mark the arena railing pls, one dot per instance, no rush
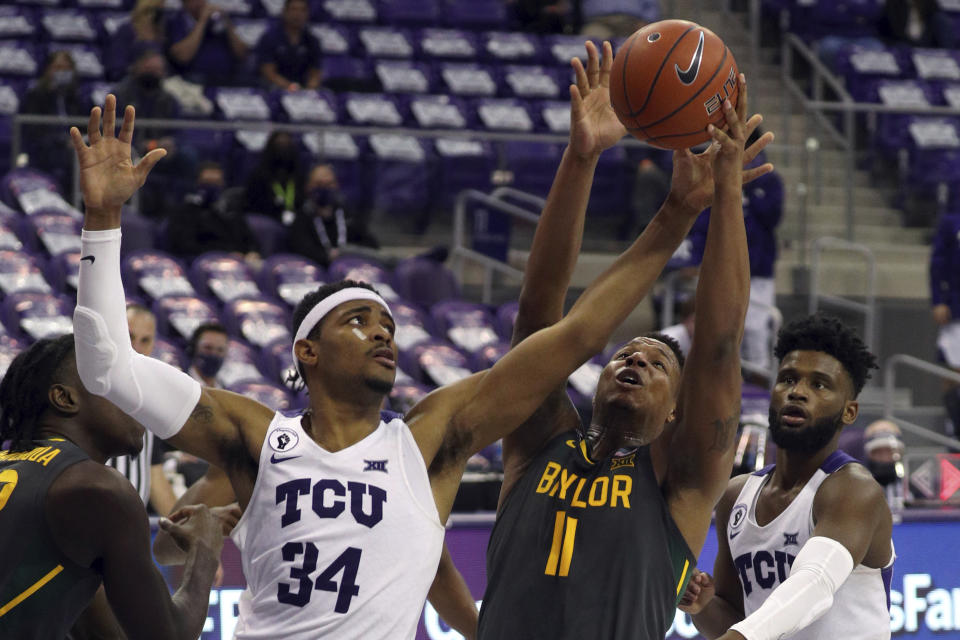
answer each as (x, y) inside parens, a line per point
(820, 299)
(890, 384)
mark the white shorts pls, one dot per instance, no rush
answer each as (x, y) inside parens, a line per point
(949, 344)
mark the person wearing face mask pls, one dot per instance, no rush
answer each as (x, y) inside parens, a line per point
(275, 186)
(884, 451)
(205, 221)
(55, 93)
(207, 350)
(323, 224)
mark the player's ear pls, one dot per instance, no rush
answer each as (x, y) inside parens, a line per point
(64, 398)
(850, 412)
(306, 353)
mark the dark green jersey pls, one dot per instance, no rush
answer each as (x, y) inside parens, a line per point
(42, 592)
(584, 549)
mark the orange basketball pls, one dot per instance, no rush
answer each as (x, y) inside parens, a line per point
(669, 81)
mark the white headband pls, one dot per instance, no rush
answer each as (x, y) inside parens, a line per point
(326, 305)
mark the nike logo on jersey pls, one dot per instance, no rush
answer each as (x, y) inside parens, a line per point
(375, 465)
(274, 459)
(688, 75)
(734, 535)
(92, 259)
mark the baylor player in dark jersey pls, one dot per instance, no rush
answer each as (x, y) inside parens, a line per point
(598, 528)
(68, 522)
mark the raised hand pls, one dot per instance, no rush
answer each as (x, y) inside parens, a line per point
(108, 177)
(700, 590)
(594, 125)
(693, 177)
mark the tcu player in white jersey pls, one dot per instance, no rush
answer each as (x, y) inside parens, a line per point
(805, 547)
(342, 528)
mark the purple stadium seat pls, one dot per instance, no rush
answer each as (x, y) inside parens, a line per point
(372, 109)
(271, 235)
(506, 318)
(851, 442)
(30, 190)
(487, 356)
(63, 272)
(52, 231)
(439, 112)
(386, 42)
(343, 151)
(8, 237)
(468, 79)
(258, 321)
(403, 396)
(936, 64)
(399, 178)
(335, 39)
(19, 58)
(182, 314)
(504, 114)
(348, 73)
(265, 393)
(69, 25)
(9, 348)
(475, 14)
(223, 275)
(532, 82)
(863, 63)
(435, 362)
(275, 360)
(555, 116)
(413, 325)
(139, 232)
(37, 315)
(409, 12)
(240, 365)
(241, 103)
(613, 185)
(464, 164)
(512, 47)
(168, 352)
(468, 325)
(21, 271)
(289, 277)
(87, 57)
(17, 22)
(364, 270)
(350, 10)
(425, 282)
(309, 106)
(155, 273)
(559, 49)
(533, 164)
(448, 44)
(250, 30)
(398, 76)
(892, 131)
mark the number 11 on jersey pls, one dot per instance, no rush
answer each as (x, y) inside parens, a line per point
(561, 551)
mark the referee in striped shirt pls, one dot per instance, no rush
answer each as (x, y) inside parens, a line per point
(145, 470)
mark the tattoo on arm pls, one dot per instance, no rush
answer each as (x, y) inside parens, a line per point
(724, 432)
(202, 413)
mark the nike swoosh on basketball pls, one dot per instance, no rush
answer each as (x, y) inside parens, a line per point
(274, 459)
(688, 75)
(92, 259)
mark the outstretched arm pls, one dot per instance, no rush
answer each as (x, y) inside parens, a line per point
(702, 445)
(451, 597)
(223, 428)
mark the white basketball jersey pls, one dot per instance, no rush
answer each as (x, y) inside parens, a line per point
(338, 544)
(763, 556)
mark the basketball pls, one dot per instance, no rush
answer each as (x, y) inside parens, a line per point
(669, 81)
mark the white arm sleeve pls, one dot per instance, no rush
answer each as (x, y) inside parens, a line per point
(106, 361)
(820, 568)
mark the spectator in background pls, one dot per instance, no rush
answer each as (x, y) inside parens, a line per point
(145, 27)
(207, 350)
(945, 299)
(288, 54)
(55, 93)
(275, 187)
(608, 19)
(323, 225)
(203, 43)
(917, 23)
(542, 16)
(884, 452)
(206, 220)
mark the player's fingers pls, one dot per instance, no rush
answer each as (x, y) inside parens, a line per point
(93, 125)
(734, 123)
(606, 64)
(182, 513)
(749, 175)
(593, 64)
(753, 123)
(126, 129)
(576, 104)
(758, 145)
(176, 531)
(110, 116)
(148, 162)
(77, 139)
(742, 97)
(719, 137)
(581, 76)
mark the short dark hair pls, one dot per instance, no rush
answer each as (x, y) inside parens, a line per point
(670, 342)
(206, 327)
(25, 388)
(310, 300)
(821, 332)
